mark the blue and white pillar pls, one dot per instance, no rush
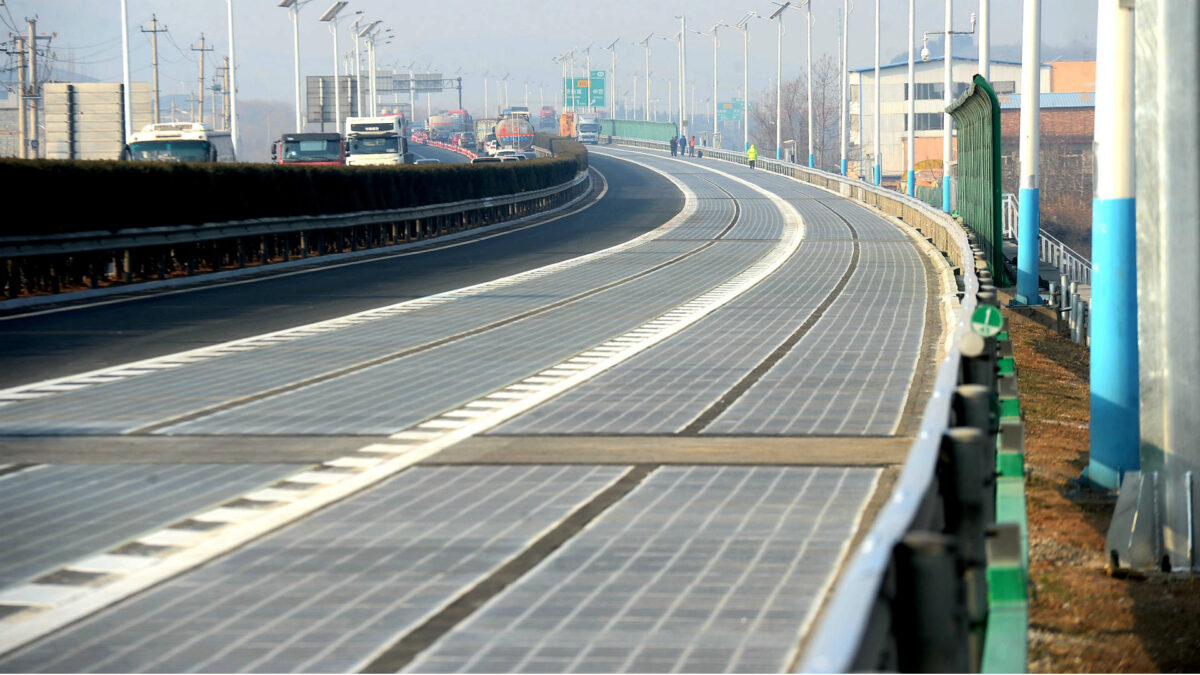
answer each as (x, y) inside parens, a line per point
(844, 106)
(1115, 436)
(911, 164)
(808, 21)
(878, 159)
(948, 98)
(1028, 223)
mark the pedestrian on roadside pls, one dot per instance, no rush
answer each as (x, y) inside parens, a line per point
(752, 155)
(692, 147)
(674, 143)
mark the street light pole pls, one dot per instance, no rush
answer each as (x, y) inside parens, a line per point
(775, 16)
(128, 102)
(743, 25)
(844, 105)
(809, 23)
(985, 39)
(233, 118)
(646, 45)
(330, 16)
(294, 9)
(947, 98)
(612, 99)
(878, 172)
(912, 95)
(712, 32)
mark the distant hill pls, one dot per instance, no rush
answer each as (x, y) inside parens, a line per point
(965, 46)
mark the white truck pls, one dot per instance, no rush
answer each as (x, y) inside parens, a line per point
(587, 130)
(179, 142)
(376, 141)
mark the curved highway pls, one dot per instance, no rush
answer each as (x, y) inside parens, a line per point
(639, 437)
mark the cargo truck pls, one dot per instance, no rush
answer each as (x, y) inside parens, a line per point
(313, 148)
(587, 130)
(179, 142)
(376, 141)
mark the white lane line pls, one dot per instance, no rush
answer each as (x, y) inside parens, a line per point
(61, 605)
(169, 361)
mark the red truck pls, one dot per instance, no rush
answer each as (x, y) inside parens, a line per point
(547, 119)
(315, 148)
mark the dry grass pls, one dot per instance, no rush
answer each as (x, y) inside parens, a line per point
(1081, 619)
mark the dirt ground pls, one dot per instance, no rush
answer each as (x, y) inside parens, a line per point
(1081, 619)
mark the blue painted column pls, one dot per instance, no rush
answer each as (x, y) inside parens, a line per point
(878, 174)
(1029, 224)
(811, 160)
(947, 187)
(912, 183)
(843, 166)
(1115, 416)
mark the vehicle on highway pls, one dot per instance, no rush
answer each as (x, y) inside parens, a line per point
(466, 140)
(508, 152)
(482, 160)
(313, 148)
(548, 117)
(515, 133)
(587, 130)
(428, 160)
(179, 142)
(375, 141)
(491, 146)
(484, 130)
(516, 111)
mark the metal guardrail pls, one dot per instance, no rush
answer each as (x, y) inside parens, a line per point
(50, 262)
(1065, 259)
(935, 585)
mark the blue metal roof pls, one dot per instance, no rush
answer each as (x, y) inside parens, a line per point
(1079, 99)
(904, 63)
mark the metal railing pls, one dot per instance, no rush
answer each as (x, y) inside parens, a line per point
(915, 594)
(52, 263)
(1065, 259)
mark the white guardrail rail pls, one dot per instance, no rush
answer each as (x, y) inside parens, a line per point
(874, 608)
(1065, 259)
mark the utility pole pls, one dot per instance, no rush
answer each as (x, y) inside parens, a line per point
(154, 31)
(225, 95)
(22, 131)
(200, 91)
(31, 44)
(126, 84)
(233, 130)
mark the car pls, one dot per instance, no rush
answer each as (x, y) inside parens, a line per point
(492, 146)
(508, 152)
(511, 158)
(481, 160)
(427, 160)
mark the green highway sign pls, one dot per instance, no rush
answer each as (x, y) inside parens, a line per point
(986, 321)
(586, 92)
(730, 111)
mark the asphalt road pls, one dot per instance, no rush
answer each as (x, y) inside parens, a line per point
(84, 338)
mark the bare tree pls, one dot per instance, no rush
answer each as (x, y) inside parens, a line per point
(794, 114)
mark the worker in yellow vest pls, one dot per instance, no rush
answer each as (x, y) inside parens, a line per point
(752, 155)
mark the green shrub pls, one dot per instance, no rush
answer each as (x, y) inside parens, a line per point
(59, 196)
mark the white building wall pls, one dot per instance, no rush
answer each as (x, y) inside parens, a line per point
(894, 106)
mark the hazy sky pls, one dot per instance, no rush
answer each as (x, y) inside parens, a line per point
(519, 37)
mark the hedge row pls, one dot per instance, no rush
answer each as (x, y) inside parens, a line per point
(563, 146)
(57, 196)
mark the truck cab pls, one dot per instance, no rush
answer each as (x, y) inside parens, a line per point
(376, 141)
(179, 142)
(587, 130)
(312, 149)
